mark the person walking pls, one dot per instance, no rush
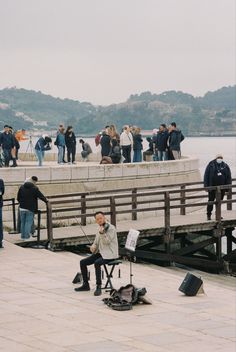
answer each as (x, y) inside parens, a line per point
(27, 197)
(137, 145)
(126, 143)
(217, 173)
(86, 150)
(60, 143)
(175, 138)
(7, 144)
(43, 144)
(2, 189)
(70, 141)
(104, 249)
(161, 142)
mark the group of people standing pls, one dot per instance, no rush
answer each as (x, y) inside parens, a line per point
(66, 146)
(163, 145)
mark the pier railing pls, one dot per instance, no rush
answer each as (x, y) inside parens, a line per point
(133, 201)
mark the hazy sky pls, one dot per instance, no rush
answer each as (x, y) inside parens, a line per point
(104, 50)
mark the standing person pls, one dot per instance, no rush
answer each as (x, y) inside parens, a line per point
(70, 141)
(112, 131)
(217, 173)
(105, 142)
(14, 151)
(86, 150)
(21, 135)
(42, 145)
(154, 144)
(149, 151)
(161, 142)
(115, 152)
(27, 197)
(2, 189)
(137, 145)
(104, 249)
(60, 143)
(175, 138)
(7, 144)
(126, 143)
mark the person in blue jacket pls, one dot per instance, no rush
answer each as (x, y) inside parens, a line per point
(60, 142)
(2, 189)
(41, 146)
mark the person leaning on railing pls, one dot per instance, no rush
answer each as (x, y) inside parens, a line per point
(104, 249)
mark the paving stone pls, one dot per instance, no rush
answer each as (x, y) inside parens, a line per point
(41, 312)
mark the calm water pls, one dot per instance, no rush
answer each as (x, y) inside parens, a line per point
(204, 148)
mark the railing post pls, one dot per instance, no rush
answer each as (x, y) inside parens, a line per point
(83, 210)
(134, 203)
(113, 210)
(218, 204)
(167, 236)
(182, 201)
(14, 213)
(49, 222)
(229, 197)
(39, 226)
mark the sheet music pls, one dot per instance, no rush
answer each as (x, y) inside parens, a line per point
(131, 240)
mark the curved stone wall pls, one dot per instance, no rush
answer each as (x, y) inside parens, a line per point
(90, 177)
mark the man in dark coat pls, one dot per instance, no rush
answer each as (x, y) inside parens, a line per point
(217, 173)
(105, 142)
(161, 142)
(175, 138)
(27, 197)
(2, 189)
(7, 144)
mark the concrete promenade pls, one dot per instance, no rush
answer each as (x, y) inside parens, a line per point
(40, 311)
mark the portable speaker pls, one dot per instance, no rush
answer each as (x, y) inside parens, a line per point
(191, 285)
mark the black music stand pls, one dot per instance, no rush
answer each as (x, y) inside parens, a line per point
(130, 247)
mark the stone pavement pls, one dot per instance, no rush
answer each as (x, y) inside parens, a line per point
(40, 311)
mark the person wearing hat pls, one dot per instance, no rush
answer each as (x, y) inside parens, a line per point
(217, 173)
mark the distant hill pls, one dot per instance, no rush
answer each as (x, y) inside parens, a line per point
(215, 111)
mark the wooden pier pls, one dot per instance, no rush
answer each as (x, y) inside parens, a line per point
(169, 233)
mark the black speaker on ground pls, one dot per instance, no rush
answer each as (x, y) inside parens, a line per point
(192, 285)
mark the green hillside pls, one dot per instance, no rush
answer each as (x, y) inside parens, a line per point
(214, 112)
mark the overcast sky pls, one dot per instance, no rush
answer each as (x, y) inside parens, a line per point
(104, 50)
